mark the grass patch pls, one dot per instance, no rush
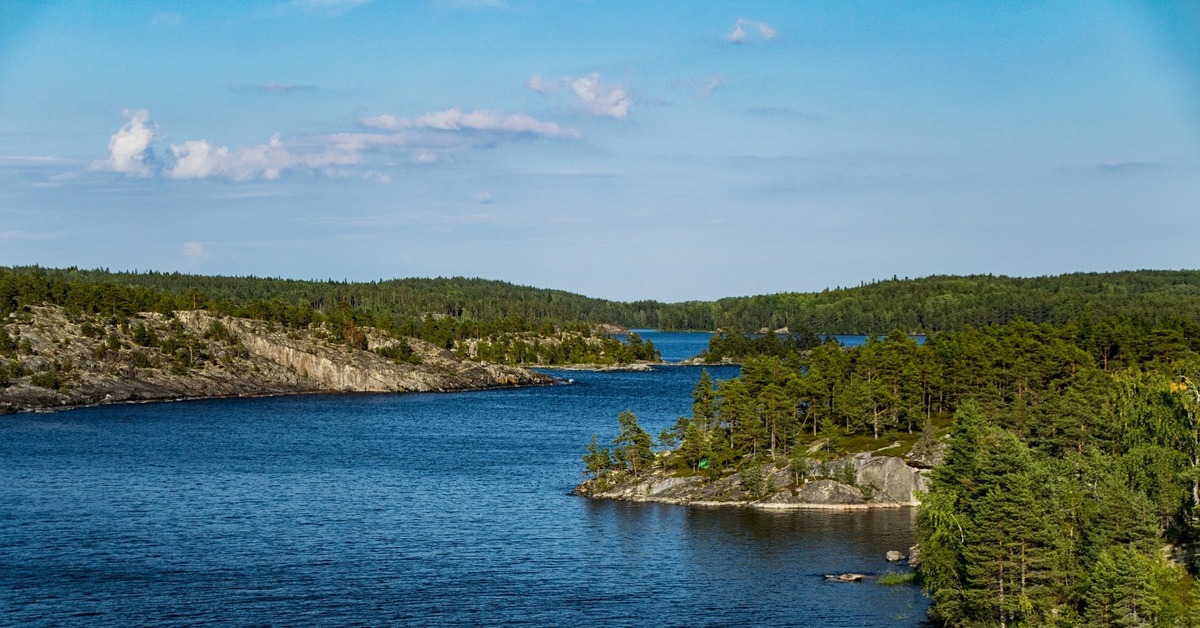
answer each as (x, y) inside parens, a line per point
(893, 578)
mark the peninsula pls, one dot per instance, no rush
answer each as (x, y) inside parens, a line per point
(51, 359)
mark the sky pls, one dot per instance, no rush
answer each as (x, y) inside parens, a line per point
(670, 150)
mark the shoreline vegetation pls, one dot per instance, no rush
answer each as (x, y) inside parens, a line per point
(1063, 481)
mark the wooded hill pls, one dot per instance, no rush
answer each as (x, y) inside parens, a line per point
(930, 304)
(340, 310)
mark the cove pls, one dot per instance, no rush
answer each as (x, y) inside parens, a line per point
(409, 509)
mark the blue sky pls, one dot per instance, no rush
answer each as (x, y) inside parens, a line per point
(627, 150)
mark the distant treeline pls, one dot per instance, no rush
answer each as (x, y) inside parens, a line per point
(927, 305)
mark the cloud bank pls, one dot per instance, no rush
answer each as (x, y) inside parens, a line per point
(428, 139)
(455, 119)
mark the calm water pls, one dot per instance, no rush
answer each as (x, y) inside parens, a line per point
(406, 510)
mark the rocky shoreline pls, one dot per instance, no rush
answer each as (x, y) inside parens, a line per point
(858, 482)
(62, 361)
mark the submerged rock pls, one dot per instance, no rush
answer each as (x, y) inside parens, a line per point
(845, 577)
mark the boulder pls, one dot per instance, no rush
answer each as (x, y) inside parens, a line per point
(914, 556)
(894, 556)
(888, 478)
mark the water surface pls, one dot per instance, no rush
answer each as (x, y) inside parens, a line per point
(402, 509)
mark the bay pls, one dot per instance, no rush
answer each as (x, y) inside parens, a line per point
(410, 509)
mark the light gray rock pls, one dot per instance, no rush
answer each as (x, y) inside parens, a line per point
(673, 487)
(894, 556)
(845, 577)
(914, 556)
(888, 478)
(829, 492)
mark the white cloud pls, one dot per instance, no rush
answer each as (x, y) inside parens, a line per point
(609, 100)
(739, 33)
(194, 251)
(710, 86)
(432, 138)
(198, 159)
(484, 197)
(541, 86)
(455, 119)
(129, 148)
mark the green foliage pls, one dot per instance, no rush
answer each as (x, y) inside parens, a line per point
(48, 379)
(8, 347)
(633, 449)
(221, 333)
(736, 345)
(597, 461)
(756, 482)
(554, 347)
(931, 304)
(143, 336)
(400, 353)
(893, 578)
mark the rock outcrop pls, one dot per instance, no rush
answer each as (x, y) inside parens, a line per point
(65, 361)
(859, 481)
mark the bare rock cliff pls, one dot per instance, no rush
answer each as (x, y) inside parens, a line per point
(59, 360)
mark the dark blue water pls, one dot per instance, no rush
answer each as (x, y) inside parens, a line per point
(406, 510)
(676, 346)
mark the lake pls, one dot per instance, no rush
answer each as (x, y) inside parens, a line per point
(413, 509)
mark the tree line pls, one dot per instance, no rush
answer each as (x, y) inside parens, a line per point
(924, 305)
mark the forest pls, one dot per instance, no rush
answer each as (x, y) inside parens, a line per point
(925, 305)
(1070, 487)
(507, 339)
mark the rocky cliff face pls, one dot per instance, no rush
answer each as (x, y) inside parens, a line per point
(863, 481)
(57, 360)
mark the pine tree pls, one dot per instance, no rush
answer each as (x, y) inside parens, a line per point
(704, 401)
(597, 461)
(633, 447)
